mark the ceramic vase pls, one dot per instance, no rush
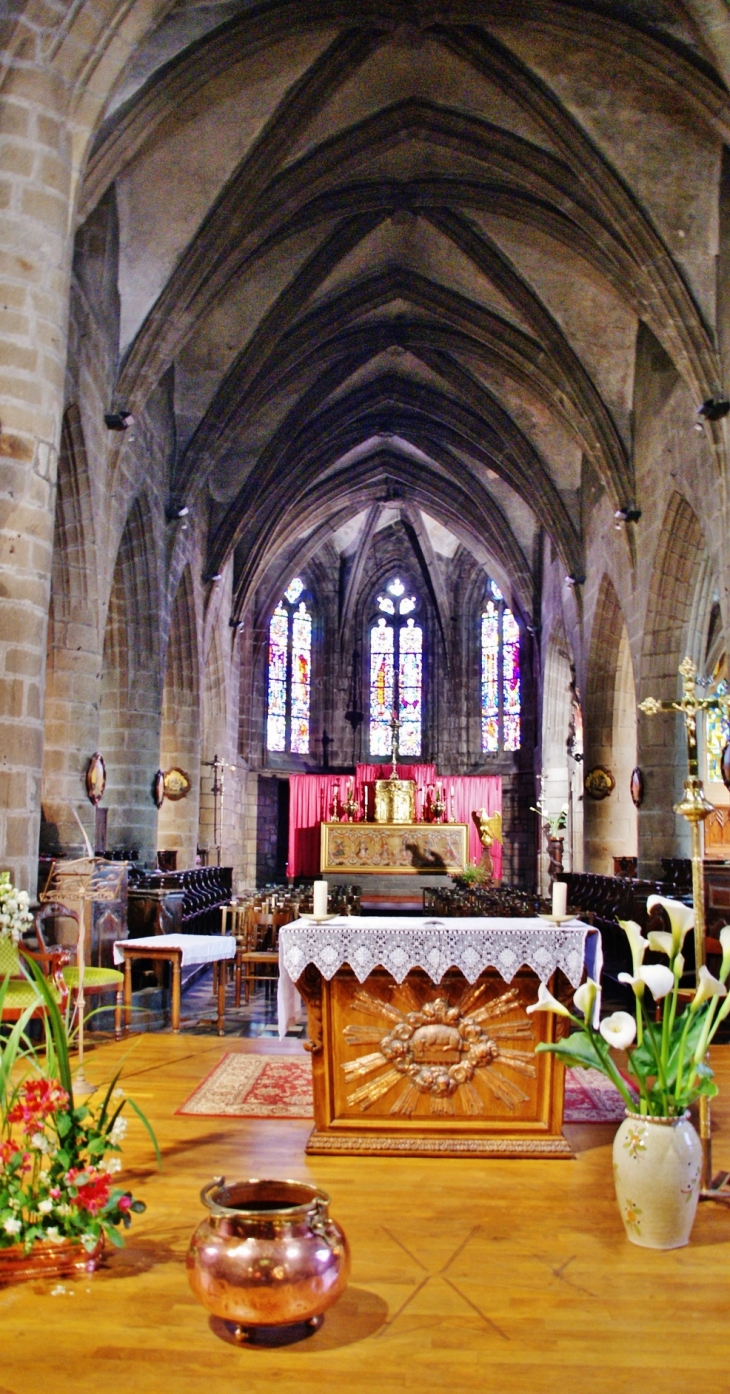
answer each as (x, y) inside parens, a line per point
(656, 1166)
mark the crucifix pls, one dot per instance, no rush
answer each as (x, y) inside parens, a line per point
(395, 728)
(217, 767)
(695, 808)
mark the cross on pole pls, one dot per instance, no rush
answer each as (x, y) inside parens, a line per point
(395, 728)
(694, 807)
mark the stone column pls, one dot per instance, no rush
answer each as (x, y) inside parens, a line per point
(35, 194)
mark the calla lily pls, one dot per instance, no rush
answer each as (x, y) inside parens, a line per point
(725, 942)
(619, 1030)
(636, 983)
(637, 943)
(662, 942)
(547, 1003)
(658, 979)
(678, 966)
(681, 918)
(588, 1000)
(707, 987)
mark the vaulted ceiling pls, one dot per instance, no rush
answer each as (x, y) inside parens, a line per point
(401, 251)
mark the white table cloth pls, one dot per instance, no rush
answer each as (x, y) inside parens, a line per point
(196, 948)
(399, 944)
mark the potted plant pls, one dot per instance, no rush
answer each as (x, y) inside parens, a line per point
(59, 1203)
(657, 1154)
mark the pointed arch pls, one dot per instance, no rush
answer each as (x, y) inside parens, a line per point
(610, 734)
(180, 729)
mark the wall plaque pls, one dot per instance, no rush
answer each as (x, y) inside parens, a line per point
(177, 784)
(599, 782)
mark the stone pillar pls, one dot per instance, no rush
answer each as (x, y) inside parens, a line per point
(35, 192)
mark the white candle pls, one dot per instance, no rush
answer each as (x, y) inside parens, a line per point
(320, 899)
(560, 899)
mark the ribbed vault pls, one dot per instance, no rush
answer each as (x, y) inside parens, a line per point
(413, 261)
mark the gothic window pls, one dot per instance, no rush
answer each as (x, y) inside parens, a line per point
(501, 703)
(717, 735)
(396, 672)
(289, 673)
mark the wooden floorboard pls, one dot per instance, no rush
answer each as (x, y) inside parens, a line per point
(467, 1275)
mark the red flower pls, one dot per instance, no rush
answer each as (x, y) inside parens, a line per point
(38, 1099)
(124, 1203)
(93, 1194)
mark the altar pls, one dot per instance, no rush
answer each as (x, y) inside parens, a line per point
(420, 1041)
(398, 849)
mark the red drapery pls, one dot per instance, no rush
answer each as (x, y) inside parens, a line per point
(311, 795)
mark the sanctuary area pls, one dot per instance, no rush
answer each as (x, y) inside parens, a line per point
(365, 779)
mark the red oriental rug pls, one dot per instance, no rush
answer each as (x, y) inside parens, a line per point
(280, 1086)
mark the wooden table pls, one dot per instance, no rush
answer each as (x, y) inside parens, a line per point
(419, 1037)
(178, 950)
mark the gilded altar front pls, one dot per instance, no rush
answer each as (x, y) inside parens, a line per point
(399, 848)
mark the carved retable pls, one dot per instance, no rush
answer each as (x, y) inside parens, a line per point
(441, 1067)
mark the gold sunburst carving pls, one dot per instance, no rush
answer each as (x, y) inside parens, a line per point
(435, 1050)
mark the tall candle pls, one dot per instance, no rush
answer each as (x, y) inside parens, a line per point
(320, 899)
(560, 899)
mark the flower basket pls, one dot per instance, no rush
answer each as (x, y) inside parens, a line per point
(46, 1260)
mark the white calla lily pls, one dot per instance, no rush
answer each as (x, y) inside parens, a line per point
(681, 918)
(636, 983)
(707, 987)
(678, 966)
(725, 942)
(658, 979)
(588, 1000)
(619, 1030)
(547, 1003)
(637, 943)
(661, 941)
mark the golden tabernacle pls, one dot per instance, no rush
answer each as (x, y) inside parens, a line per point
(395, 800)
(397, 848)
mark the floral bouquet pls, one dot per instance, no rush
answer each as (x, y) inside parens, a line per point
(57, 1158)
(667, 1064)
(15, 916)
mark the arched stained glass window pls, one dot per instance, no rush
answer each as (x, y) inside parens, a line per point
(396, 673)
(289, 673)
(382, 676)
(717, 735)
(501, 696)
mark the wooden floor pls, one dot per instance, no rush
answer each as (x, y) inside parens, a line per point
(467, 1275)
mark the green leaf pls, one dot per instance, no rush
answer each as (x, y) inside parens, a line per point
(578, 1049)
(113, 1234)
(149, 1128)
(63, 1124)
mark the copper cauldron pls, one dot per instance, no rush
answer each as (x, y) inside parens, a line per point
(267, 1255)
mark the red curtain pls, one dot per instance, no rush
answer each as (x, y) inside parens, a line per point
(311, 795)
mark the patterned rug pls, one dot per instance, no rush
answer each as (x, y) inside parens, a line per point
(280, 1086)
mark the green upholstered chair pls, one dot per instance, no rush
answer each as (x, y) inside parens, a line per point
(21, 993)
(96, 980)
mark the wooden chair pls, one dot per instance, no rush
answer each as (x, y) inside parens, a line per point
(257, 956)
(96, 980)
(21, 993)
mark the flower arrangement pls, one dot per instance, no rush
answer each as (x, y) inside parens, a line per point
(667, 1063)
(58, 1158)
(553, 823)
(15, 916)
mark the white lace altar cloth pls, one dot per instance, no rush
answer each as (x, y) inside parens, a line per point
(399, 944)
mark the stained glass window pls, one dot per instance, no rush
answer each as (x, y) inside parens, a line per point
(511, 705)
(410, 688)
(382, 649)
(301, 654)
(289, 674)
(490, 677)
(501, 703)
(717, 735)
(278, 663)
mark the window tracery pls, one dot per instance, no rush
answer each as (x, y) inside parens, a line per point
(501, 690)
(289, 675)
(396, 673)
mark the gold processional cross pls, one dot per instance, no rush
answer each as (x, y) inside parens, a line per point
(695, 808)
